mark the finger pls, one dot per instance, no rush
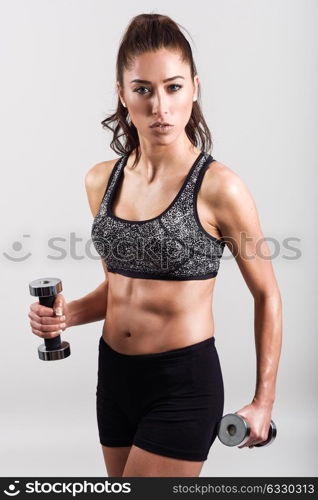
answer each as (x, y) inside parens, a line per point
(242, 446)
(47, 328)
(44, 320)
(40, 310)
(58, 305)
(47, 335)
(249, 442)
(246, 446)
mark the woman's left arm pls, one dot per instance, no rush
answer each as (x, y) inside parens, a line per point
(237, 219)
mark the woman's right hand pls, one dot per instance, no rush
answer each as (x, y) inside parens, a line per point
(47, 322)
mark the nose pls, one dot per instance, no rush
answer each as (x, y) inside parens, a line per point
(159, 104)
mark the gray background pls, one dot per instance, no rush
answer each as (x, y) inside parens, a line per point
(257, 63)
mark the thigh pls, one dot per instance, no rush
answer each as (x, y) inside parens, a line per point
(184, 399)
(143, 463)
(115, 458)
(114, 426)
(113, 405)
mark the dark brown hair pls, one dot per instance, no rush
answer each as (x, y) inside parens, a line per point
(145, 33)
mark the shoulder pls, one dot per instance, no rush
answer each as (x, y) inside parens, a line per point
(232, 204)
(98, 174)
(96, 180)
(223, 186)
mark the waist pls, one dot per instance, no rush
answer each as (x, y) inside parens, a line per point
(141, 333)
(166, 353)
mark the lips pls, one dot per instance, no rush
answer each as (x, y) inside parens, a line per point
(160, 124)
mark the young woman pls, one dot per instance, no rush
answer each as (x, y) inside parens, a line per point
(163, 212)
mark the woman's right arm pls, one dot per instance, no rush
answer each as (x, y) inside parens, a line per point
(92, 307)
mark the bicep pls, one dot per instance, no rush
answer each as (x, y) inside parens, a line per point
(240, 226)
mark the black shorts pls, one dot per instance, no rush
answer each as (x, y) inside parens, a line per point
(168, 403)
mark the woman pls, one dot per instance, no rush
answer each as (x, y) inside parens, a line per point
(163, 212)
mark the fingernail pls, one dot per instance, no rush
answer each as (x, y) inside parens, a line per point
(58, 311)
(62, 318)
(62, 325)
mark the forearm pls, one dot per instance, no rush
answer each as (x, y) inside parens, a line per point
(91, 307)
(268, 342)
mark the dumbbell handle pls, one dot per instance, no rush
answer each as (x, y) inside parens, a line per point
(55, 343)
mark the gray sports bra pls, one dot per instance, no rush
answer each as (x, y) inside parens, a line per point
(172, 246)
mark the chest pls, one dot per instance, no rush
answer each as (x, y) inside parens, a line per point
(135, 202)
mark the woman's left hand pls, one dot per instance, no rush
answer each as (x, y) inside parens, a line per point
(258, 416)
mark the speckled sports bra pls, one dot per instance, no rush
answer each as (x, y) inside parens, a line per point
(172, 246)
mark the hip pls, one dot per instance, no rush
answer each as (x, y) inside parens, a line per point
(189, 371)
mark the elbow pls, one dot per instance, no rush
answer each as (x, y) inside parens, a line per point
(273, 296)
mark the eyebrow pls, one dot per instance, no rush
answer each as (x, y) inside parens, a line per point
(166, 80)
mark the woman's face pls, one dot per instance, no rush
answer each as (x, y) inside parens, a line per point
(152, 99)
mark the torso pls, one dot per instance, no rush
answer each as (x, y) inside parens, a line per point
(145, 315)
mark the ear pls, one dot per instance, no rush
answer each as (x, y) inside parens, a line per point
(196, 82)
(120, 93)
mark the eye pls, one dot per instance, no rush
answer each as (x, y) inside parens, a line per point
(139, 88)
(172, 85)
(176, 85)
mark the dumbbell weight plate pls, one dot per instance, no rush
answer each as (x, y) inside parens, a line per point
(45, 287)
(233, 430)
(52, 355)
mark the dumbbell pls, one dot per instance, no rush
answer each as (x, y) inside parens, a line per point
(47, 289)
(234, 430)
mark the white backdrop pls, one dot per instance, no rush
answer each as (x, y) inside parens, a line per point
(257, 64)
